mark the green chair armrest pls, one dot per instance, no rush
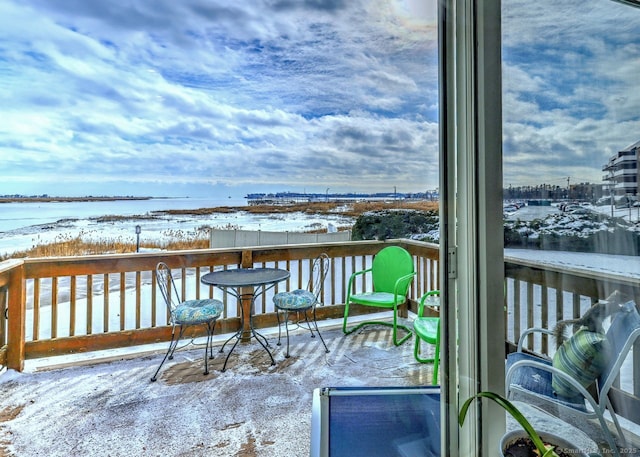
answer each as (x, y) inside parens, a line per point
(423, 299)
(402, 282)
(352, 278)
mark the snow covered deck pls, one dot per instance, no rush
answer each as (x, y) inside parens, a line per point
(253, 408)
(61, 306)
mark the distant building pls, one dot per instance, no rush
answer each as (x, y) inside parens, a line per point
(622, 172)
(586, 191)
(583, 191)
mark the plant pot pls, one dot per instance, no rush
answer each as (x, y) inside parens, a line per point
(559, 444)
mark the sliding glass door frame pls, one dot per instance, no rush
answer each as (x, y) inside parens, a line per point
(471, 212)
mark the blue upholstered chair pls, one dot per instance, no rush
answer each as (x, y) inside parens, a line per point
(186, 313)
(302, 301)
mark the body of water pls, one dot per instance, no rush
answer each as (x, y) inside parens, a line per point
(21, 215)
(24, 225)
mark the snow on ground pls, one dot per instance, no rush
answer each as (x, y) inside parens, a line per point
(159, 228)
(252, 409)
(603, 263)
(528, 213)
(17, 234)
(129, 415)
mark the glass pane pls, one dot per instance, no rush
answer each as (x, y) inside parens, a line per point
(323, 102)
(571, 118)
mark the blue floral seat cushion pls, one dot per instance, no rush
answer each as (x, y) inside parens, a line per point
(295, 300)
(197, 311)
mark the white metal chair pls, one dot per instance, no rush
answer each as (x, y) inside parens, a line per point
(186, 313)
(530, 377)
(303, 300)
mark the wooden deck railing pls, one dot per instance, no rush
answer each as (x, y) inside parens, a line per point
(57, 306)
(539, 295)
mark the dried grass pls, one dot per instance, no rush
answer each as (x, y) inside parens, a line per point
(353, 209)
(67, 245)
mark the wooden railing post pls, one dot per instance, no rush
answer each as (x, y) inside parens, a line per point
(16, 327)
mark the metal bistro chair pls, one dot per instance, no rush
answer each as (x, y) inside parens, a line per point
(186, 313)
(427, 329)
(531, 377)
(303, 300)
(392, 271)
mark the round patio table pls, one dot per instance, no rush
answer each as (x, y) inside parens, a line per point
(236, 282)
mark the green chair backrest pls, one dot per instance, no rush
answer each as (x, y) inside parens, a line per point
(390, 264)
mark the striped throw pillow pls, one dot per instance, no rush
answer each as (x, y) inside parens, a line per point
(583, 357)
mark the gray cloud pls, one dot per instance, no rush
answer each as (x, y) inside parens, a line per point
(208, 90)
(313, 93)
(569, 89)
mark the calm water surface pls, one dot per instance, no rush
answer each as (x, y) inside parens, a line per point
(19, 215)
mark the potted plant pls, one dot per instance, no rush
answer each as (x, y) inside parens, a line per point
(527, 442)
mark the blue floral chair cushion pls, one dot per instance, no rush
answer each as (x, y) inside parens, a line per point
(295, 300)
(196, 311)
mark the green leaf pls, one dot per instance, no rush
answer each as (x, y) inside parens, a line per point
(517, 415)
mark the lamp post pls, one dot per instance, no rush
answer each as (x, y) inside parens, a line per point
(326, 195)
(138, 230)
(612, 200)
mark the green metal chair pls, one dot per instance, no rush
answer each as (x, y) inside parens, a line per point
(392, 272)
(427, 329)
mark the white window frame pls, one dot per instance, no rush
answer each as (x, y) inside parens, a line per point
(471, 210)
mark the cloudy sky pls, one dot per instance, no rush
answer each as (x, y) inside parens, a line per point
(202, 97)
(571, 75)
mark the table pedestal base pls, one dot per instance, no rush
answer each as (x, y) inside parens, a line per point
(238, 336)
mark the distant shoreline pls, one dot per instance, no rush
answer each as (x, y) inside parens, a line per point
(67, 199)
